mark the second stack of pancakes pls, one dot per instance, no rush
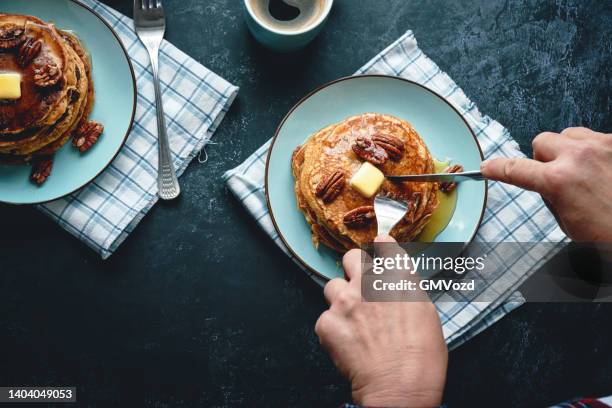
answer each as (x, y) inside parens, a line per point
(56, 90)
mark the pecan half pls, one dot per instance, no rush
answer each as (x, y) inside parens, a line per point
(359, 217)
(46, 74)
(87, 135)
(448, 186)
(392, 145)
(365, 148)
(330, 186)
(41, 169)
(11, 36)
(28, 50)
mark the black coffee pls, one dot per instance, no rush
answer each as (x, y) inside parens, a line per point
(288, 15)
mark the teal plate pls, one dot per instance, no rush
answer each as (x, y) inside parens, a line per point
(115, 104)
(444, 130)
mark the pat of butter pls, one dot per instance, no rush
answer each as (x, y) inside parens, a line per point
(10, 86)
(367, 180)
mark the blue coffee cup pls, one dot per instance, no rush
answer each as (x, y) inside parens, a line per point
(286, 38)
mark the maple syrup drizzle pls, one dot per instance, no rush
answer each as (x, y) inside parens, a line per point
(443, 213)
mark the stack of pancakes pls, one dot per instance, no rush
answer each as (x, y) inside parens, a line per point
(332, 149)
(56, 88)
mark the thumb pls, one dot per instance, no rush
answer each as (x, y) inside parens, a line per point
(387, 247)
(521, 172)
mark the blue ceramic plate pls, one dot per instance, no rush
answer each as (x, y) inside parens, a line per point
(114, 105)
(444, 130)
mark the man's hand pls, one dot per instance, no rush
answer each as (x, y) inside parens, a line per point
(393, 353)
(573, 173)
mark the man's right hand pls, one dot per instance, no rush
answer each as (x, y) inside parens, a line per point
(573, 173)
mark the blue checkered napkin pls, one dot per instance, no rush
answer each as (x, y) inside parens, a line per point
(512, 214)
(195, 100)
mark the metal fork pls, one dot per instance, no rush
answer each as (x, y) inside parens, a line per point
(388, 213)
(150, 25)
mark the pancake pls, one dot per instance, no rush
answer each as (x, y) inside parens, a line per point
(72, 107)
(80, 104)
(331, 149)
(57, 90)
(76, 45)
(37, 107)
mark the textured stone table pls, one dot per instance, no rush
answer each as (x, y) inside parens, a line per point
(199, 308)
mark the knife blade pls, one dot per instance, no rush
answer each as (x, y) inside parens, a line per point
(439, 177)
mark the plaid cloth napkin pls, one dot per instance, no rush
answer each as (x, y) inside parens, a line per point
(512, 214)
(195, 100)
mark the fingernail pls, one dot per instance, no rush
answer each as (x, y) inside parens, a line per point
(483, 164)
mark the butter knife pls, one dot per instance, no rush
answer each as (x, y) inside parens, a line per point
(439, 177)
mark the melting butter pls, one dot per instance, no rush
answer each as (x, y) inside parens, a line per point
(10, 85)
(367, 180)
(443, 213)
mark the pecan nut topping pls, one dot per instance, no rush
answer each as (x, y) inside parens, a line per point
(28, 50)
(359, 217)
(87, 135)
(448, 186)
(365, 148)
(41, 169)
(392, 145)
(46, 74)
(330, 186)
(11, 36)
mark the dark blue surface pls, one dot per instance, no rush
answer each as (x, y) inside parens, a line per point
(199, 308)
